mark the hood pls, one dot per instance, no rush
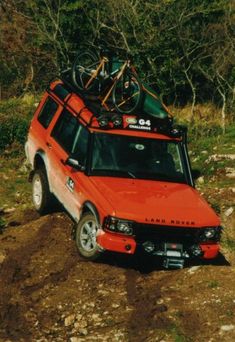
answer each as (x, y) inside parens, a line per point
(156, 202)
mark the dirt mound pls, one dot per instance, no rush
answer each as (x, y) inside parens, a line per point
(48, 293)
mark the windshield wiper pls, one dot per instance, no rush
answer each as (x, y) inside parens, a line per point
(131, 174)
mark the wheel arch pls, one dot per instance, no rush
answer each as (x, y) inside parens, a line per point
(39, 162)
(90, 207)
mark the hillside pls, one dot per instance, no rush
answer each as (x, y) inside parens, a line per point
(48, 293)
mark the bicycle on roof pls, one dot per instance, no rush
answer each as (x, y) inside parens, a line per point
(110, 78)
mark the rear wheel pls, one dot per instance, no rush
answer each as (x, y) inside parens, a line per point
(86, 233)
(42, 197)
(84, 66)
(127, 93)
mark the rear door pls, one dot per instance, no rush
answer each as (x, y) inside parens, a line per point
(65, 140)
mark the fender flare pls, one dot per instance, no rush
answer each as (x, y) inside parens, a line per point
(42, 155)
(92, 208)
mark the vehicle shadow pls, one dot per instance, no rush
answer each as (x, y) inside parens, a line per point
(142, 263)
(146, 264)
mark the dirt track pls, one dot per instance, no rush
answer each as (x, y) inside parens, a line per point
(49, 294)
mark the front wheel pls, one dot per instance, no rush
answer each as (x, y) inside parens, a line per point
(85, 237)
(127, 93)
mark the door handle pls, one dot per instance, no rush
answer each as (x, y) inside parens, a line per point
(48, 145)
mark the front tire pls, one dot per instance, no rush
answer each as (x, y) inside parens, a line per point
(85, 237)
(42, 197)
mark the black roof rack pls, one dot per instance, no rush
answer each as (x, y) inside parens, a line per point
(65, 90)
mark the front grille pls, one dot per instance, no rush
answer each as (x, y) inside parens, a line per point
(159, 233)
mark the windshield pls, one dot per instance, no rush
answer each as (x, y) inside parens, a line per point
(137, 157)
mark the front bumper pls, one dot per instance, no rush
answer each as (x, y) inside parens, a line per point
(128, 244)
(116, 243)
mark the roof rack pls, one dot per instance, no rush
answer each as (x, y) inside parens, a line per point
(100, 118)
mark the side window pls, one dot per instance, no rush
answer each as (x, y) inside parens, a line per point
(173, 150)
(65, 130)
(79, 150)
(48, 111)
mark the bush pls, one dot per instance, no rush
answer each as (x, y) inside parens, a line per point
(15, 117)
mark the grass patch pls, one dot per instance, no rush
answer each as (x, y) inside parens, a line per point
(15, 188)
(177, 334)
(15, 116)
(229, 244)
(2, 224)
(213, 284)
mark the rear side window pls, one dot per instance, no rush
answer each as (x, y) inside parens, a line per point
(47, 113)
(65, 130)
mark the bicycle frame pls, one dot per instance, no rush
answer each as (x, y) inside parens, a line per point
(101, 67)
(103, 61)
(118, 76)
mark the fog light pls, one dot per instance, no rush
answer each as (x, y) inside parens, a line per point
(196, 251)
(103, 121)
(117, 120)
(148, 246)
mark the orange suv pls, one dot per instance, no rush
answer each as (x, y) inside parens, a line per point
(124, 179)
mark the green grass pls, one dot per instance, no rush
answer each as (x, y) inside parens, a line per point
(15, 188)
(15, 115)
(177, 335)
(229, 244)
(213, 284)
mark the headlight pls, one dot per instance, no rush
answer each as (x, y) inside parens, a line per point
(211, 234)
(117, 225)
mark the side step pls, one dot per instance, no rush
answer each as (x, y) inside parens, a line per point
(173, 263)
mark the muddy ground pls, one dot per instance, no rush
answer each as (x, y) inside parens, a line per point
(48, 293)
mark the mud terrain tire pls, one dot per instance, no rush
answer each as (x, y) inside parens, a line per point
(42, 197)
(85, 237)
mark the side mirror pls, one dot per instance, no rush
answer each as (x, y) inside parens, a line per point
(196, 174)
(75, 164)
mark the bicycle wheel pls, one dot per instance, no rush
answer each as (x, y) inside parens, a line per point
(84, 66)
(127, 93)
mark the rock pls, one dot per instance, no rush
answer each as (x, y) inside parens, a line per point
(9, 210)
(103, 292)
(80, 324)
(228, 212)
(69, 320)
(96, 317)
(83, 331)
(193, 269)
(78, 317)
(217, 157)
(230, 172)
(228, 327)
(201, 180)
(25, 167)
(2, 257)
(76, 339)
